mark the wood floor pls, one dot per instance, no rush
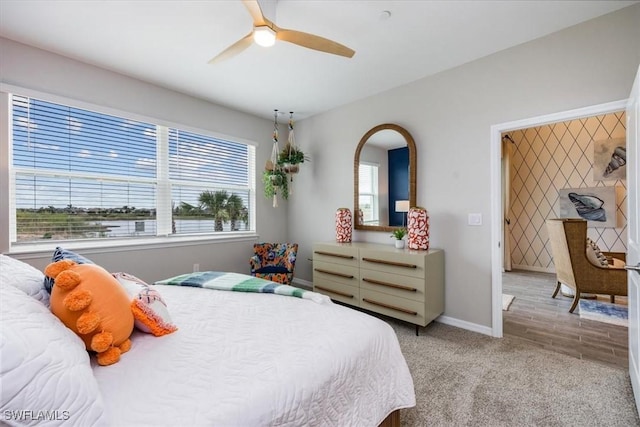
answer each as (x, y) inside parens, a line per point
(536, 317)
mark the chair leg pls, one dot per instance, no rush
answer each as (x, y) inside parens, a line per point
(556, 291)
(576, 298)
(613, 299)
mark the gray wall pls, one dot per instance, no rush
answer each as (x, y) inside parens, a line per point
(47, 72)
(449, 116)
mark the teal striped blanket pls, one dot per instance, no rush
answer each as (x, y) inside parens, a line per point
(223, 281)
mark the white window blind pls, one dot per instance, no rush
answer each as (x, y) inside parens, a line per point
(80, 174)
(210, 179)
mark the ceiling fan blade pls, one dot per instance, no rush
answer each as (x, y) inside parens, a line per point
(312, 41)
(234, 49)
(256, 13)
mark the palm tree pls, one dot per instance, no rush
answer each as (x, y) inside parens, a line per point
(187, 209)
(235, 210)
(216, 205)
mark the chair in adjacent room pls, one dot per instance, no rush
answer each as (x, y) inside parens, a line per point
(579, 263)
(274, 261)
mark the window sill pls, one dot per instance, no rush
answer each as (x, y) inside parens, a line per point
(134, 244)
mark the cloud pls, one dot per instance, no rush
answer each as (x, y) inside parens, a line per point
(26, 123)
(145, 163)
(113, 154)
(150, 132)
(74, 124)
(84, 153)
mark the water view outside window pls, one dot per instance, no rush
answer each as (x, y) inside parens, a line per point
(80, 174)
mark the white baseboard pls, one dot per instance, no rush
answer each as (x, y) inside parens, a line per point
(533, 268)
(463, 324)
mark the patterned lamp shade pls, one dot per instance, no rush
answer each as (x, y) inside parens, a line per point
(343, 225)
(418, 229)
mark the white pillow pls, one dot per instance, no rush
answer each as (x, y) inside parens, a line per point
(21, 275)
(46, 375)
(149, 309)
(594, 255)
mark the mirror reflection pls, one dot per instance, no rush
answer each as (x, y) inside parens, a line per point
(384, 178)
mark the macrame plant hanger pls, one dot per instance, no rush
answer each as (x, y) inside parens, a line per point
(273, 163)
(291, 145)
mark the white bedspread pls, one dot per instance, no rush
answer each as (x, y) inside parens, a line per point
(242, 359)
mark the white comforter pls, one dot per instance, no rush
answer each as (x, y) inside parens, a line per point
(242, 359)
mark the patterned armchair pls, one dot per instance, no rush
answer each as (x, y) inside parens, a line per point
(274, 261)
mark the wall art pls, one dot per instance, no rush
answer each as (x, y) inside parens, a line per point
(609, 159)
(595, 204)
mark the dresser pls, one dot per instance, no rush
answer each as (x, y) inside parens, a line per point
(400, 283)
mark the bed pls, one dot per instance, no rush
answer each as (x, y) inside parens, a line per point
(237, 359)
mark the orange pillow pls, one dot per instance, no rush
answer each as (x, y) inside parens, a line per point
(93, 304)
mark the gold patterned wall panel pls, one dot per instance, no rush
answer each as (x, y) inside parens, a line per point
(546, 159)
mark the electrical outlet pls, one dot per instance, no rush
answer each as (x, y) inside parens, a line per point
(196, 268)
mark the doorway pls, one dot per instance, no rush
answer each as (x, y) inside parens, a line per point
(497, 213)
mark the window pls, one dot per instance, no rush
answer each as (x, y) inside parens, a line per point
(368, 192)
(80, 174)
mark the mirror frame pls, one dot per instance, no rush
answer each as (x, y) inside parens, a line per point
(412, 174)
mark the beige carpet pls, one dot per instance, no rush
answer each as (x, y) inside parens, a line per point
(467, 379)
(506, 301)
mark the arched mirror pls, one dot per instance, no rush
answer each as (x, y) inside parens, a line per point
(384, 178)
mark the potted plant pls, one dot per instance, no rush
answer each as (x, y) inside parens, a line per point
(399, 234)
(290, 157)
(275, 180)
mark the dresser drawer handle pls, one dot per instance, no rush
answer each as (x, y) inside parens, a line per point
(334, 292)
(333, 273)
(334, 255)
(392, 307)
(390, 285)
(396, 264)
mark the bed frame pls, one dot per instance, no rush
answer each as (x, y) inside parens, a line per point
(393, 420)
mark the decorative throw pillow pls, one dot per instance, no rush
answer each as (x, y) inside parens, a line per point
(594, 255)
(45, 368)
(60, 254)
(91, 303)
(24, 277)
(149, 310)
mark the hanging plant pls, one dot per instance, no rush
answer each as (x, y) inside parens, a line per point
(275, 181)
(290, 157)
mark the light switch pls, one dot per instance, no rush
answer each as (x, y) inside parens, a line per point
(475, 219)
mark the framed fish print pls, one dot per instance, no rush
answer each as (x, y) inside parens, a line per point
(595, 204)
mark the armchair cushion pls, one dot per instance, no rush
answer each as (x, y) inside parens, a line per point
(595, 255)
(274, 261)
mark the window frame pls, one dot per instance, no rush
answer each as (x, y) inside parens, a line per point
(375, 194)
(161, 239)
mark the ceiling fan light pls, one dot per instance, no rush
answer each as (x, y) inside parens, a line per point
(264, 36)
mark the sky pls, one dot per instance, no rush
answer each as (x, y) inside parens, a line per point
(89, 159)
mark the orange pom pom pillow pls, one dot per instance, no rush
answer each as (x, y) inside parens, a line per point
(91, 302)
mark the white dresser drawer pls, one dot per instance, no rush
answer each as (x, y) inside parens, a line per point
(399, 308)
(393, 284)
(337, 291)
(340, 273)
(343, 254)
(401, 262)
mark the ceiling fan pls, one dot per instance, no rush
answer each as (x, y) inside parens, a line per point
(265, 33)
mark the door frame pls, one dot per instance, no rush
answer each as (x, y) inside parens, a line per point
(497, 212)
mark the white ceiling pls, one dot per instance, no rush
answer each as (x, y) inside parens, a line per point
(170, 42)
